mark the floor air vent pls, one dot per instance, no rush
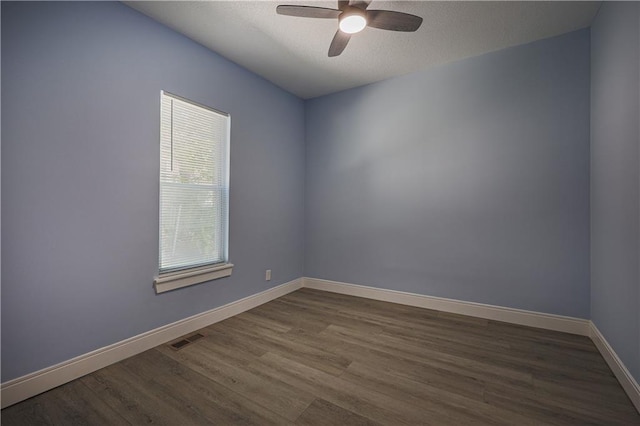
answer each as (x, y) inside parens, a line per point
(186, 341)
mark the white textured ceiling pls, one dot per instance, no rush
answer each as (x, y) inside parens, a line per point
(292, 52)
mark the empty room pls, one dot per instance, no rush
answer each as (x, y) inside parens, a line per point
(320, 213)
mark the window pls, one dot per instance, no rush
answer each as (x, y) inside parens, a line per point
(194, 194)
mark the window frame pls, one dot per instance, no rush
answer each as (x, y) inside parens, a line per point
(174, 278)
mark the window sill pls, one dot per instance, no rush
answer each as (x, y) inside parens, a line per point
(174, 280)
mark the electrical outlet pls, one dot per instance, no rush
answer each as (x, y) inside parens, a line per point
(267, 275)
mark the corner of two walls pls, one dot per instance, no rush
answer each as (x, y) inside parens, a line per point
(615, 178)
(511, 179)
(467, 181)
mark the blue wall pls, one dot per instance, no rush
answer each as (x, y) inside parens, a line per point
(615, 179)
(80, 161)
(468, 181)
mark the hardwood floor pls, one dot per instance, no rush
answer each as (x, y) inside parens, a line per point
(318, 358)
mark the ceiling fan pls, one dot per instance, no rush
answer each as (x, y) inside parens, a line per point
(353, 17)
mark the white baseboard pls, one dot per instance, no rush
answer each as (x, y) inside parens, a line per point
(35, 383)
(623, 375)
(515, 316)
(24, 387)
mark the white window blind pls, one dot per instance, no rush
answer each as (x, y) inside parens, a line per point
(194, 185)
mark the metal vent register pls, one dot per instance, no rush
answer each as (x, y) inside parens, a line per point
(186, 341)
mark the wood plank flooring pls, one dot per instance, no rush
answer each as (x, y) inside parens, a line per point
(318, 358)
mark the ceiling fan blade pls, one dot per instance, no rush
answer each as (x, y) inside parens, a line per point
(343, 4)
(394, 21)
(307, 11)
(338, 43)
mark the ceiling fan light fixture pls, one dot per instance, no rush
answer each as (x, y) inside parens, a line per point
(352, 21)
